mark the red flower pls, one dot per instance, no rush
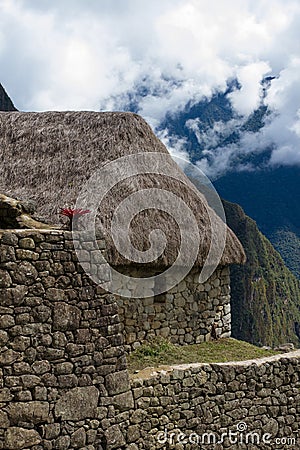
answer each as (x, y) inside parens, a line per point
(71, 213)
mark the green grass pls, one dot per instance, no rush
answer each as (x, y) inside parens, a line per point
(161, 352)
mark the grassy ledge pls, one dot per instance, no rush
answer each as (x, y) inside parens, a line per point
(161, 352)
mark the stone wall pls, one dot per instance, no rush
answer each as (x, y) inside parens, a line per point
(64, 382)
(63, 377)
(189, 406)
(187, 314)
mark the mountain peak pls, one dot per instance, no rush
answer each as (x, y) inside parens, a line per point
(5, 102)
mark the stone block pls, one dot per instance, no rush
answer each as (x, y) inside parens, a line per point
(30, 381)
(62, 282)
(59, 255)
(40, 393)
(74, 349)
(51, 431)
(9, 238)
(66, 317)
(78, 438)
(78, 404)
(23, 396)
(5, 280)
(91, 436)
(27, 255)
(5, 395)
(67, 381)
(41, 367)
(32, 412)
(4, 421)
(3, 338)
(7, 254)
(21, 368)
(83, 335)
(63, 368)
(59, 340)
(8, 357)
(41, 313)
(25, 274)
(114, 438)
(123, 401)
(55, 295)
(133, 433)
(117, 383)
(7, 321)
(62, 443)
(227, 309)
(17, 438)
(138, 416)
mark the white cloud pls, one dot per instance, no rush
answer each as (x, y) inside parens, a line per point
(282, 129)
(176, 146)
(248, 97)
(75, 54)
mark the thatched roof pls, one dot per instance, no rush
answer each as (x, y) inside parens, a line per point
(47, 157)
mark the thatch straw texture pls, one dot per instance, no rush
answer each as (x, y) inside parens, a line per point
(47, 157)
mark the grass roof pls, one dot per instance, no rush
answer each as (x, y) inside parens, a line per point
(47, 157)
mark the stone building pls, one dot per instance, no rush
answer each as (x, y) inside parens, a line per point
(64, 383)
(48, 158)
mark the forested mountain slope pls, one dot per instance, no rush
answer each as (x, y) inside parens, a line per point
(265, 294)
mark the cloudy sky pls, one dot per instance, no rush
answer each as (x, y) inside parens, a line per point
(89, 54)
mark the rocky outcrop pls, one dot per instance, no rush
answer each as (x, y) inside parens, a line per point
(16, 214)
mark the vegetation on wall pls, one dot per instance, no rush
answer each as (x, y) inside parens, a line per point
(161, 352)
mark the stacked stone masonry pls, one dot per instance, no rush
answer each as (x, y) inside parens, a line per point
(62, 364)
(191, 406)
(186, 314)
(64, 382)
